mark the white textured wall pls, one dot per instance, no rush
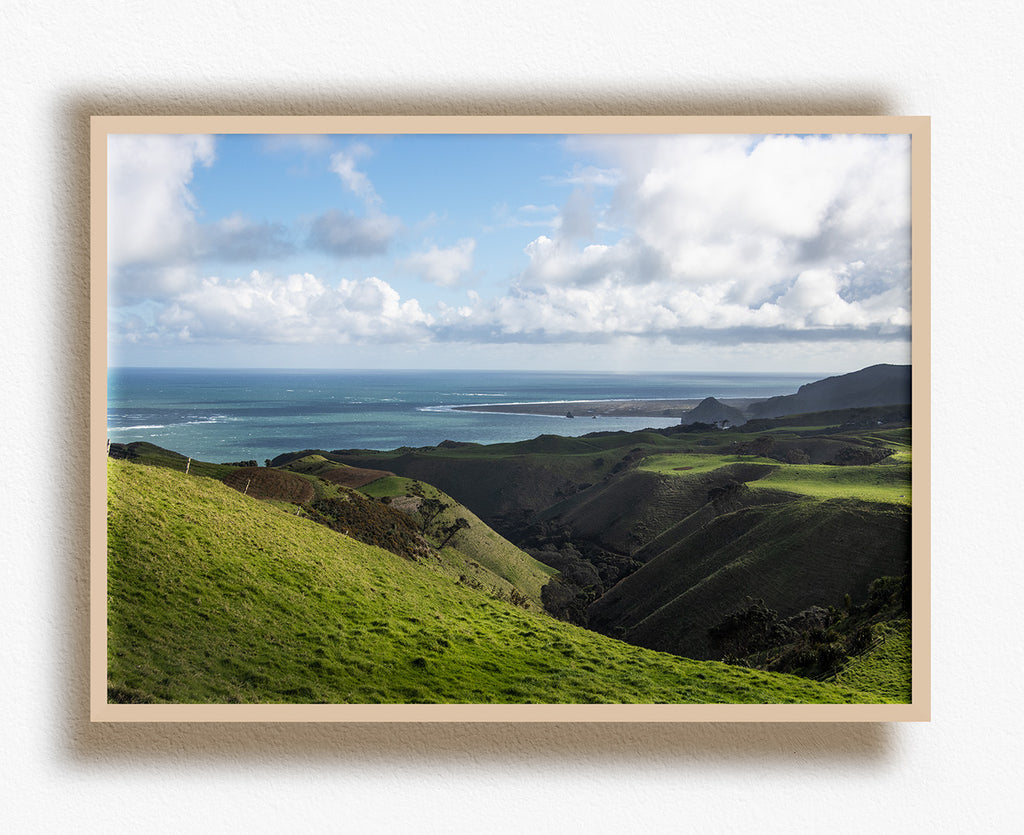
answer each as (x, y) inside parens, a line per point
(958, 63)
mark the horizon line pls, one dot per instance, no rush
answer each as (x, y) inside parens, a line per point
(611, 373)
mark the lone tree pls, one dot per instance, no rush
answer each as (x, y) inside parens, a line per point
(430, 508)
(459, 524)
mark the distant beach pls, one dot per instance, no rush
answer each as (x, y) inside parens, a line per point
(605, 408)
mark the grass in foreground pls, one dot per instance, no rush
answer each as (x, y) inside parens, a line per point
(216, 597)
(885, 669)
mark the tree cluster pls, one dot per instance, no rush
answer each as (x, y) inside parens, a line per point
(814, 643)
(585, 569)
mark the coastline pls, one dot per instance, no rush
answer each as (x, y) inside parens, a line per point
(606, 408)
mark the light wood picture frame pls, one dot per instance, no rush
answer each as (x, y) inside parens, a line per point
(358, 130)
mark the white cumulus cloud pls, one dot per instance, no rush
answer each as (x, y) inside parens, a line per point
(150, 210)
(300, 308)
(443, 267)
(736, 234)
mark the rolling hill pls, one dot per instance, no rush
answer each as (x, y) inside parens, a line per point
(464, 538)
(449, 526)
(216, 597)
(792, 555)
(705, 543)
(625, 544)
(712, 411)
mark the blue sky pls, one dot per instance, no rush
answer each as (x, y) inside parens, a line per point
(603, 253)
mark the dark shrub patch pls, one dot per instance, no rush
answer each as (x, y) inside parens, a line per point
(265, 483)
(372, 522)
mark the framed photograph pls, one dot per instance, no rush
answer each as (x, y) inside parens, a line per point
(510, 419)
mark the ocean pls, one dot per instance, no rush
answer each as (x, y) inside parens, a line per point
(226, 415)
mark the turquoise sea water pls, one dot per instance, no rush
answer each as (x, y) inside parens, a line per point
(234, 415)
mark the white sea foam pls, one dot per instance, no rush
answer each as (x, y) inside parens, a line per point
(194, 420)
(464, 408)
(417, 410)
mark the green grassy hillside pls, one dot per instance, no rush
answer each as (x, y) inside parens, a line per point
(726, 499)
(143, 452)
(792, 555)
(877, 483)
(330, 471)
(627, 511)
(882, 482)
(696, 463)
(512, 481)
(478, 545)
(885, 669)
(508, 484)
(216, 597)
(316, 487)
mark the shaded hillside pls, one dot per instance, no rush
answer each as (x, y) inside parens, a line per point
(806, 448)
(877, 385)
(506, 481)
(587, 565)
(792, 555)
(624, 513)
(214, 597)
(849, 641)
(865, 417)
(508, 484)
(727, 498)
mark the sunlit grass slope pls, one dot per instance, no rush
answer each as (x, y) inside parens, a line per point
(217, 597)
(477, 542)
(695, 463)
(888, 483)
(884, 482)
